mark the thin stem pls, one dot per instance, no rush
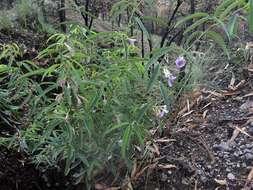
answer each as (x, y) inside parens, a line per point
(168, 28)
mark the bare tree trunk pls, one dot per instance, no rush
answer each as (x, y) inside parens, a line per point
(119, 20)
(87, 4)
(168, 27)
(87, 20)
(62, 15)
(91, 22)
(142, 45)
(131, 30)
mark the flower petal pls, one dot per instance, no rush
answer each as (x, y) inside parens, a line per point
(180, 62)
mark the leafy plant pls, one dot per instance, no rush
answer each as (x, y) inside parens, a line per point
(13, 92)
(30, 13)
(226, 12)
(90, 106)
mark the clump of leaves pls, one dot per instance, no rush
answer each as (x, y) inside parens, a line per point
(28, 12)
(90, 106)
(13, 92)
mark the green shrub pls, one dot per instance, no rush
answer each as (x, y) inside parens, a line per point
(90, 106)
(12, 91)
(5, 21)
(27, 12)
(94, 101)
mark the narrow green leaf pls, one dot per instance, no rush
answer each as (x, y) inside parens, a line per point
(164, 94)
(142, 113)
(190, 17)
(197, 24)
(153, 78)
(193, 37)
(69, 160)
(50, 70)
(142, 27)
(221, 23)
(156, 55)
(4, 68)
(229, 10)
(219, 40)
(222, 7)
(36, 72)
(233, 26)
(115, 127)
(126, 140)
(95, 100)
(141, 133)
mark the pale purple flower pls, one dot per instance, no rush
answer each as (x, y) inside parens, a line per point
(161, 114)
(180, 62)
(131, 41)
(163, 111)
(171, 80)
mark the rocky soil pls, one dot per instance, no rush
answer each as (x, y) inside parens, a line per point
(211, 146)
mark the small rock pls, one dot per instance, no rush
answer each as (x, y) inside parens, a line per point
(233, 145)
(221, 154)
(249, 145)
(199, 172)
(203, 179)
(211, 173)
(250, 130)
(248, 156)
(248, 151)
(238, 165)
(239, 142)
(226, 156)
(236, 154)
(231, 176)
(223, 146)
(246, 106)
